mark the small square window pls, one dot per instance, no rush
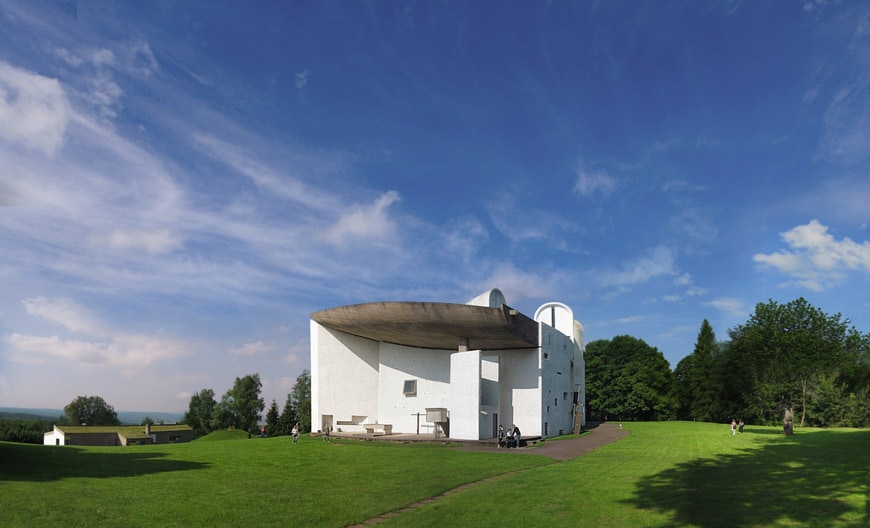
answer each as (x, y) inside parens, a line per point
(410, 388)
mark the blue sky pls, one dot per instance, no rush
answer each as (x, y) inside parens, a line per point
(182, 183)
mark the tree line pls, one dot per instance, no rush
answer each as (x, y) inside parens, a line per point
(241, 408)
(789, 363)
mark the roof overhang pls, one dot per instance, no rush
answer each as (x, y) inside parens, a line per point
(434, 325)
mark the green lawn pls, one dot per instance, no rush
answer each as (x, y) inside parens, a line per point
(663, 474)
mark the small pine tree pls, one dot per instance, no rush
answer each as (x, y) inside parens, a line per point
(272, 419)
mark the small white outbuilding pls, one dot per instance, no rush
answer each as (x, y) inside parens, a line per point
(457, 370)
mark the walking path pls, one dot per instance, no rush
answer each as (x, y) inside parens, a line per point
(560, 450)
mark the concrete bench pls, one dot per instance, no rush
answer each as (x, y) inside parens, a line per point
(342, 426)
(386, 429)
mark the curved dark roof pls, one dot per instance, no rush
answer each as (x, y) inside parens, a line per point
(434, 325)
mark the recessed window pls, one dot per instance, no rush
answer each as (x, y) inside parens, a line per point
(410, 388)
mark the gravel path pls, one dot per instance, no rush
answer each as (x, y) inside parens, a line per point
(599, 435)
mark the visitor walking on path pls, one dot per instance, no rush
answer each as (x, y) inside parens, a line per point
(517, 435)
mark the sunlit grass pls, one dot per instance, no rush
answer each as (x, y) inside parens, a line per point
(680, 474)
(662, 474)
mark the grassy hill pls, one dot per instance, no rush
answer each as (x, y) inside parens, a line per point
(662, 474)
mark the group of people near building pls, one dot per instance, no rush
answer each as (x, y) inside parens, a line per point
(510, 437)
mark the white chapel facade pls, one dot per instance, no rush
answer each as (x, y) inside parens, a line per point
(452, 370)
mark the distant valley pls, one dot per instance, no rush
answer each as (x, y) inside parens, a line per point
(51, 415)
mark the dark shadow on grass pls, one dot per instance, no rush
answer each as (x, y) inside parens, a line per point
(35, 463)
(800, 479)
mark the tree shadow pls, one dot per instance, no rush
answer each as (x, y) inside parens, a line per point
(799, 479)
(35, 463)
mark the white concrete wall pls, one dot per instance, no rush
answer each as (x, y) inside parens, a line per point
(580, 370)
(493, 298)
(489, 381)
(431, 369)
(464, 398)
(520, 390)
(52, 437)
(344, 376)
(557, 382)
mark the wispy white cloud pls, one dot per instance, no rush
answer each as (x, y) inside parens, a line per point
(695, 291)
(523, 284)
(464, 237)
(728, 305)
(139, 59)
(523, 224)
(34, 110)
(635, 319)
(684, 279)
(99, 343)
(657, 262)
(816, 260)
(302, 79)
(252, 349)
(846, 139)
(365, 223)
(589, 182)
(65, 312)
(695, 223)
(268, 178)
(152, 241)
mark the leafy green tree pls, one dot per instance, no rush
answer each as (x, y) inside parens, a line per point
(602, 398)
(626, 379)
(785, 348)
(704, 380)
(272, 418)
(241, 406)
(835, 404)
(147, 421)
(224, 415)
(200, 412)
(90, 410)
(301, 398)
(24, 431)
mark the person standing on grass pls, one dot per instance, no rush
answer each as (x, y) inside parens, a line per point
(295, 433)
(326, 429)
(733, 426)
(740, 426)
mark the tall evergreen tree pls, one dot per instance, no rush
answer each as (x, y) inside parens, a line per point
(288, 417)
(704, 378)
(683, 388)
(272, 418)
